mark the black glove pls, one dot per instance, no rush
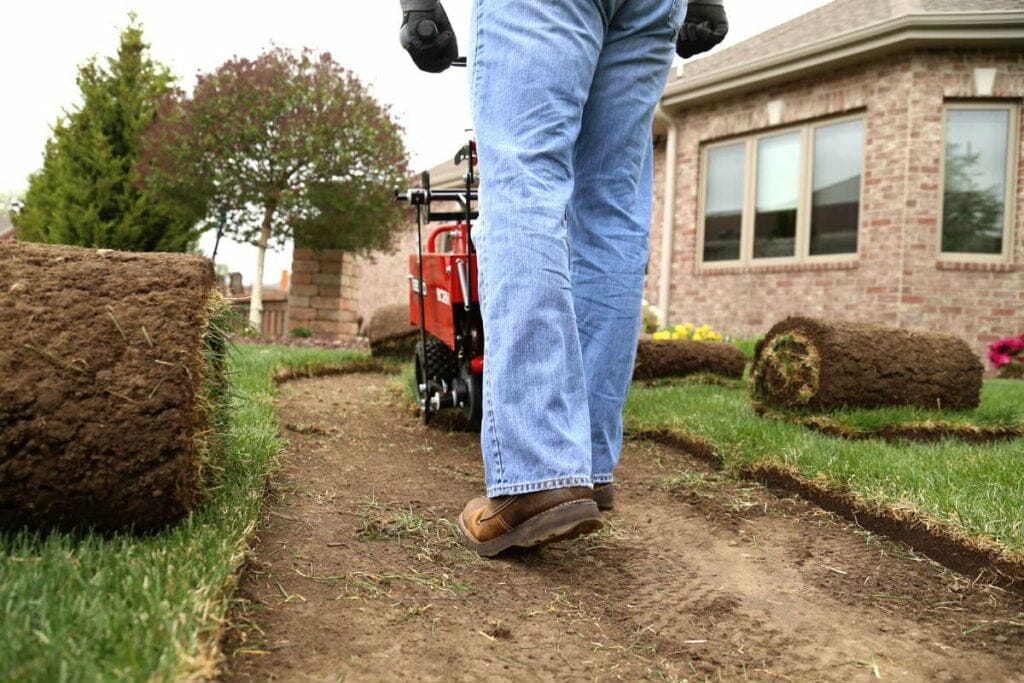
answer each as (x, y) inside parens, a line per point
(428, 37)
(704, 27)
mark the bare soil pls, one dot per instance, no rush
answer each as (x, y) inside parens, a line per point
(358, 574)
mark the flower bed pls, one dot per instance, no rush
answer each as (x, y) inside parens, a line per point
(1007, 356)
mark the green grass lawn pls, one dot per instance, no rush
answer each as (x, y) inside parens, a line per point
(84, 607)
(978, 488)
(1002, 407)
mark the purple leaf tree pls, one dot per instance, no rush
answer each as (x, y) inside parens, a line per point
(287, 145)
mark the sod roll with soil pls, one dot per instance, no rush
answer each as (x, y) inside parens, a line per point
(390, 333)
(657, 358)
(109, 367)
(821, 364)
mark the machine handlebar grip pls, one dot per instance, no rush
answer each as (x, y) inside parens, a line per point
(427, 31)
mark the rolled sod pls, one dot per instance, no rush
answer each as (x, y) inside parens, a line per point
(109, 366)
(656, 358)
(390, 333)
(809, 363)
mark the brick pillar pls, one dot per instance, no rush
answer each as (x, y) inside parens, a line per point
(323, 294)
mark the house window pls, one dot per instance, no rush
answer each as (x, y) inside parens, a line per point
(723, 215)
(835, 191)
(778, 194)
(976, 202)
(792, 195)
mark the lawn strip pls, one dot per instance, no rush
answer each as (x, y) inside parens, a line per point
(90, 607)
(968, 493)
(928, 431)
(1000, 416)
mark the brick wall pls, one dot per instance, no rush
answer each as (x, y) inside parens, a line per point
(323, 292)
(383, 276)
(897, 278)
(980, 303)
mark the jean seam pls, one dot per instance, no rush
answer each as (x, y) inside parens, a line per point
(488, 389)
(477, 7)
(542, 485)
(491, 428)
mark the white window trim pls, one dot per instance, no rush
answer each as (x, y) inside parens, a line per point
(1010, 200)
(803, 226)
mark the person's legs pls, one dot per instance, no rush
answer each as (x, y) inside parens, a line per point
(610, 210)
(532, 64)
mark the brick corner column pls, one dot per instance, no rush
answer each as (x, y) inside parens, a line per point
(324, 293)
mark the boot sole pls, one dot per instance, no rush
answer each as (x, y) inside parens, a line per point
(560, 523)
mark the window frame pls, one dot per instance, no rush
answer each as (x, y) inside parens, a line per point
(1010, 198)
(805, 193)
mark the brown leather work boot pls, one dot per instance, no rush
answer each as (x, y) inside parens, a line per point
(604, 496)
(491, 525)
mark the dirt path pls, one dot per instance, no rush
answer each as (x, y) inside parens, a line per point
(358, 574)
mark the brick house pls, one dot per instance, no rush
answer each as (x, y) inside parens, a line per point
(862, 161)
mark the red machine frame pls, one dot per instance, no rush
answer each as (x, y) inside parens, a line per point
(443, 298)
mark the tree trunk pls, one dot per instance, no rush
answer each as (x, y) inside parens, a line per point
(256, 298)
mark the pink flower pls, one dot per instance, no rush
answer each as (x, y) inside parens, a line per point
(999, 359)
(1007, 350)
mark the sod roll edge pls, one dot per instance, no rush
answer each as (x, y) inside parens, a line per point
(657, 358)
(816, 364)
(107, 372)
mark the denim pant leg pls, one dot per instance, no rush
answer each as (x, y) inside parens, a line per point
(532, 64)
(610, 210)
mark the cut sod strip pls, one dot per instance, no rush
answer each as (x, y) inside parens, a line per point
(91, 607)
(970, 493)
(657, 358)
(110, 371)
(807, 363)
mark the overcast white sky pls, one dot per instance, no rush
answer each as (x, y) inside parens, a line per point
(43, 41)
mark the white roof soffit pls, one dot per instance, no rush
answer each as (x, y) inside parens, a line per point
(952, 29)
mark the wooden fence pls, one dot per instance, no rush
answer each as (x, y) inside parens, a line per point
(275, 315)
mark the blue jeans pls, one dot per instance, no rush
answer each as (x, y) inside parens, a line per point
(563, 95)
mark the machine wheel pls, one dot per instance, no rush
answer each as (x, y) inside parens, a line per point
(442, 362)
(436, 364)
(472, 388)
(423, 389)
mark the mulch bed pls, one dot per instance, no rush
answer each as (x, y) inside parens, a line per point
(105, 380)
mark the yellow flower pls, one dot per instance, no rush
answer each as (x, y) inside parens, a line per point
(663, 334)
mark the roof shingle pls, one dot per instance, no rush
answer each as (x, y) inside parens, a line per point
(832, 20)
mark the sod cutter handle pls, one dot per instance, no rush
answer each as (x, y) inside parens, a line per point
(427, 31)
